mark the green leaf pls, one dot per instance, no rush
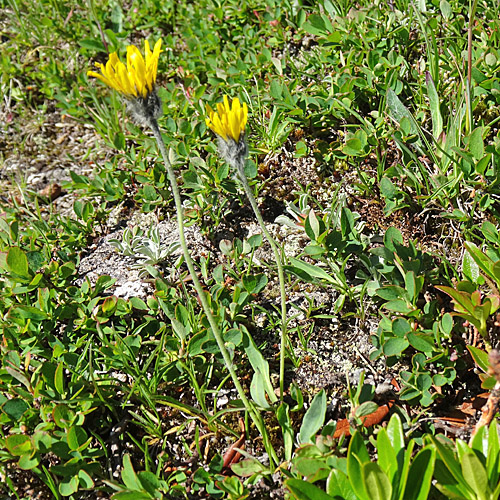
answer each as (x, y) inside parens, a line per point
(387, 458)
(470, 267)
(119, 141)
(15, 408)
(233, 336)
(29, 312)
(394, 346)
(28, 462)
(92, 44)
(17, 262)
(85, 480)
(420, 475)
(275, 90)
(308, 272)
(131, 495)
(476, 144)
(490, 231)
(357, 455)
(480, 357)
(254, 283)
(302, 490)
(138, 303)
(493, 453)
(479, 441)
(248, 467)
(150, 483)
(68, 486)
(311, 226)
(63, 416)
(116, 19)
(129, 476)
(18, 444)
(482, 260)
(450, 461)
(283, 417)
(421, 342)
(338, 485)
(395, 433)
(387, 188)
(413, 285)
(376, 482)
(346, 222)
(150, 193)
(399, 306)
(446, 9)
(393, 238)
(316, 25)
(260, 365)
(353, 147)
(475, 475)
(391, 292)
(366, 408)
(77, 438)
(314, 418)
(35, 260)
(434, 106)
(258, 392)
(59, 378)
(398, 111)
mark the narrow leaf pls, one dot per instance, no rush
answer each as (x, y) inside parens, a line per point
(314, 418)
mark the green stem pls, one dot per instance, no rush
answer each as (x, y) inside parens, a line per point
(279, 263)
(256, 417)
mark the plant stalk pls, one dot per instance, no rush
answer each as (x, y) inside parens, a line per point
(249, 407)
(281, 275)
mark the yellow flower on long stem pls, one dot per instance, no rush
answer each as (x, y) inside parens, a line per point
(228, 122)
(138, 77)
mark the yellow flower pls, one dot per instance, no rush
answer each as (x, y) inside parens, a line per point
(138, 77)
(228, 122)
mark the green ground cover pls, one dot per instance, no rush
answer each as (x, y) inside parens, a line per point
(374, 151)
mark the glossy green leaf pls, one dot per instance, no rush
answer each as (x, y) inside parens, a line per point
(387, 457)
(376, 482)
(357, 456)
(338, 485)
(59, 378)
(395, 433)
(475, 475)
(480, 357)
(420, 475)
(302, 490)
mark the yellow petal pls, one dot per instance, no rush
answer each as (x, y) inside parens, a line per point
(226, 104)
(153, 66)
(101, 77)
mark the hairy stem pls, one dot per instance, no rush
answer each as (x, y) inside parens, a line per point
(279, 263)
(253, 412)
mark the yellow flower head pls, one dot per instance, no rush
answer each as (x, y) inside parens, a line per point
(138, 77)
(228, 122)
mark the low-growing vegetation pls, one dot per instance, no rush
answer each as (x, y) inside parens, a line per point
(250, 250)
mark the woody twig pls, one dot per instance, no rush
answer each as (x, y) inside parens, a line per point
(490, 408)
